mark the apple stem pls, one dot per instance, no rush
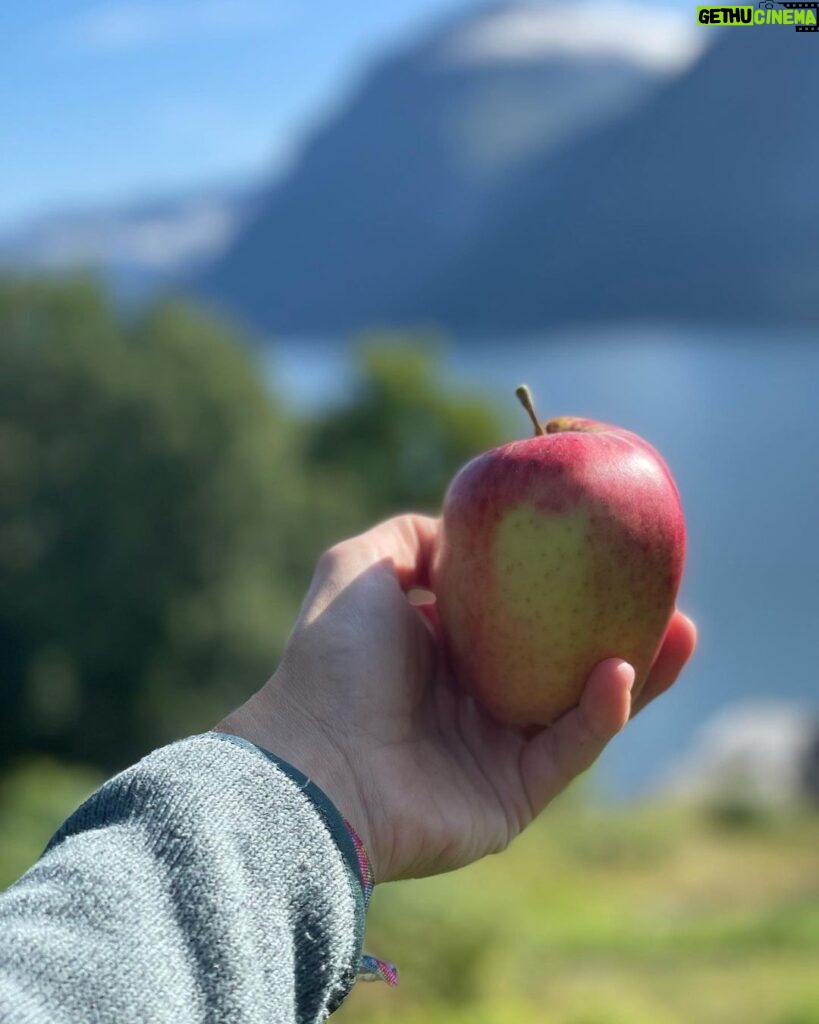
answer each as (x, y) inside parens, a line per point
(525, 398)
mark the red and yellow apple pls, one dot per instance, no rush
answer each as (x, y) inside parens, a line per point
(555, 553)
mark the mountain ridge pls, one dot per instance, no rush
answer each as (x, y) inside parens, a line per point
(397, 184)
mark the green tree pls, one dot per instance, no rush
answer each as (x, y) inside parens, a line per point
(160, 511)
(156, 527)
(403, 433)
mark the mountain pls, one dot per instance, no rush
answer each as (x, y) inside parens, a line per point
(395, 188)
(702, 205)
(138, 248)
(527, 165)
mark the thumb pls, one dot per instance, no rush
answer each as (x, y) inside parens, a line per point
(556, 755)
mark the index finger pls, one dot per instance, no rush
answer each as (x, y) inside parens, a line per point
(407, 542)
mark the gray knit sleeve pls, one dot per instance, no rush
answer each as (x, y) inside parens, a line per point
(207, 883)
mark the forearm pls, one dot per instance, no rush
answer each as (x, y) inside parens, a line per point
(201, 884)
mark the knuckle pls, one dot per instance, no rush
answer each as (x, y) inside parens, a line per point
(330, 558)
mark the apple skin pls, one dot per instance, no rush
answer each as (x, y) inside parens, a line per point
(555, 553)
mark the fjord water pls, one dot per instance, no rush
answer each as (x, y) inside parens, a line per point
(737, 418)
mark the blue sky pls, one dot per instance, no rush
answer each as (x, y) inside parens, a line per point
(113, 100)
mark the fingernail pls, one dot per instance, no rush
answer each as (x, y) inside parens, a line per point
(632, 674)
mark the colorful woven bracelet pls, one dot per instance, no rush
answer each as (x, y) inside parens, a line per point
(370, 968)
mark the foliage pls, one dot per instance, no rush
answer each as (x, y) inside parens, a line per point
(160, 510)
(155, 531)
(402, 434)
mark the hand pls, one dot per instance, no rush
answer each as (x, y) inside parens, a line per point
(362, 705)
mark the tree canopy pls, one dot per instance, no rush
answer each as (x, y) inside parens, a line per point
(161, 509)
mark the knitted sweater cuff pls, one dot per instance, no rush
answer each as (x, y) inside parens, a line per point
(353, 852)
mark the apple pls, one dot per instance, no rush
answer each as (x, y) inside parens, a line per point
(555, 553)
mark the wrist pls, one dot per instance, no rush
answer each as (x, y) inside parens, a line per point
(273, 722)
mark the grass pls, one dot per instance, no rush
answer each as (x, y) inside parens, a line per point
(636, 915)
(595, 916)
(34, 799)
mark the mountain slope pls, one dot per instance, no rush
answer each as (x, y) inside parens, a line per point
(398, 184)
(701, 205)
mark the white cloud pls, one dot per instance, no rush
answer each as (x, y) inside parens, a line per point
(660, 39)
(132, 24)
